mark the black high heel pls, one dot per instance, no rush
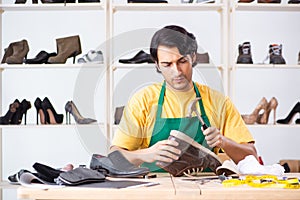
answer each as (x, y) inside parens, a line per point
(287, 120)
(51, 117)
(6, 119)
(72, 109)
(39, 111)
(24, 106)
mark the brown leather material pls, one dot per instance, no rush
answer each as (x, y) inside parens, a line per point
(19, 52)
(193, 157)
(202, 58)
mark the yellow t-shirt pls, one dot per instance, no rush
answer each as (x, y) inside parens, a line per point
(137, 123)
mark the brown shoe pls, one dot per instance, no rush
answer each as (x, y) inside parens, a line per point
(193, 158)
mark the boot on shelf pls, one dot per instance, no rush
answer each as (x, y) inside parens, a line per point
(252, 118)
(6, 119)
(293, 112)
(24, 106)
(245, 56)
(66, 47)
(7, 52)
(20, 50)
(275, 53)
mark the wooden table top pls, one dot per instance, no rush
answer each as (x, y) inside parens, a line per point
(168, 188)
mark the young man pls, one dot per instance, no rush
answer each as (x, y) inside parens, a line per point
(153, 112)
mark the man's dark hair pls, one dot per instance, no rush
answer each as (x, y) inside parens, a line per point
(173, 36)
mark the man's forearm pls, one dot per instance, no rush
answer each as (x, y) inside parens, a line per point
(236, 151)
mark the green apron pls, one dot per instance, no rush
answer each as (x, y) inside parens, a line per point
(189, 126)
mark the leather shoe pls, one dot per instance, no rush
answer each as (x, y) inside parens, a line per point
(202, 58)
(140, 57)
(117, 165)
(269, 1)
(194, 157)
(40, 58)
(293, 1)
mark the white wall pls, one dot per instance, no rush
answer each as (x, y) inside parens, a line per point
(59, 146)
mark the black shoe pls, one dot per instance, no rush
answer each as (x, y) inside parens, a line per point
(15, 178)
(40, 58)
(51, 116)
(24, 106)
(275, 53)
(269, 1)
(294, 1)
(245, 56)
(7, 118)
(117, 165)
(88, 1)
(140, 57)
(287, 120)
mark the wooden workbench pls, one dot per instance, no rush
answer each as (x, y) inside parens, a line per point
(168, 188)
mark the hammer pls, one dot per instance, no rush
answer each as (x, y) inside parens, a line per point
(192, 108)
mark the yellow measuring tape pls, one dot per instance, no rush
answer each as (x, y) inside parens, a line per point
(266, 181)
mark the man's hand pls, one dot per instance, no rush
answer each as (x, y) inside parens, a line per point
(162, 151)
(213, 137)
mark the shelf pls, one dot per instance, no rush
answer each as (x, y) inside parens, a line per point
(167, 7)
(265, 66)
(267, 7)
(152, 66)
(52, 6)
(73, 125)
(274, 126)
(49, 66)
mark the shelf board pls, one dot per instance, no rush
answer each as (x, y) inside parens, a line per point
(49, 66)
(274, 126)
(152, 66)
(167, 7)
(267, 7)
(52, 6)
(266, 66)
(72, 125)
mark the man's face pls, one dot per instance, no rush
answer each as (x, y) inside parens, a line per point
(176, 68)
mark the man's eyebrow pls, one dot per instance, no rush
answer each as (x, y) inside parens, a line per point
(166, 62)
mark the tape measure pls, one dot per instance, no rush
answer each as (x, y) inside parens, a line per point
(265, 181)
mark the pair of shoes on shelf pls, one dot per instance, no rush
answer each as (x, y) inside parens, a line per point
(92, 57)
(16, 52)
(140, 57)
(47, 113)
(293, 112)
(15, 113)
(275, 54)
(71, 109)
(66, 47)
(262, 118)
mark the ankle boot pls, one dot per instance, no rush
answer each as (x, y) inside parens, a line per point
(194, 157)
(275, 53)
(7, 53)
(66, 47)
(20, 50)
(245, 56)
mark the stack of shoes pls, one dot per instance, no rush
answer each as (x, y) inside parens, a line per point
(245, 56)
(140, 57)
(275, 54)
(193, 159)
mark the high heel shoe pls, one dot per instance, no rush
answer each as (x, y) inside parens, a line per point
(288, 119)
(51, 117)
(6, 119)
(264, 117)
(251, 118)
(24, 106)
(66, 47)
(72, 109)
(20, 50)
(40, 58)
(39, 111)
